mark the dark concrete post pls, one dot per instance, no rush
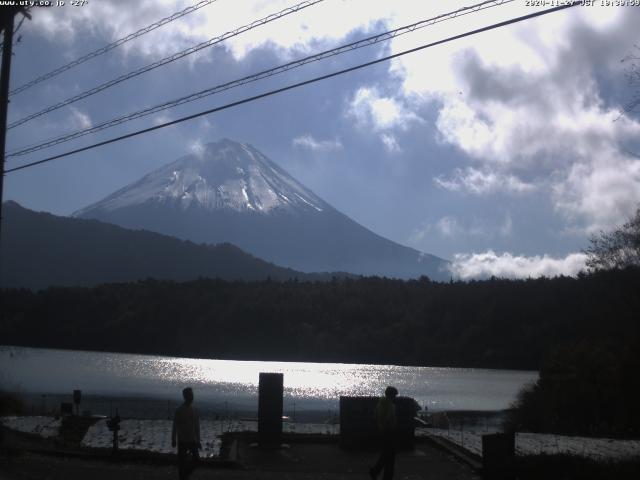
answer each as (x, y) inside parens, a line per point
(77, 398)
(270, 394)
(114, 425)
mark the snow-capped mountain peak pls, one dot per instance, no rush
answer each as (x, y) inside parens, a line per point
(224, 175)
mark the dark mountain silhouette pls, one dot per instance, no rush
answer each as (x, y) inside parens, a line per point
(41, 250)
(231, 192)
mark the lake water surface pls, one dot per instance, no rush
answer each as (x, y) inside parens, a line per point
(234, 384)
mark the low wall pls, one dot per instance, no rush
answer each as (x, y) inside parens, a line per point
(358, 427)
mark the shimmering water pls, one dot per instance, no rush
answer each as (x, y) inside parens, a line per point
(312, 386)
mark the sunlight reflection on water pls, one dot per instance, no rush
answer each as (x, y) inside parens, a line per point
(311, 385)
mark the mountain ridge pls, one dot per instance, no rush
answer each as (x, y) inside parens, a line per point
(40, 249)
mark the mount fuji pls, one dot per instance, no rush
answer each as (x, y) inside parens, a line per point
(231, 192)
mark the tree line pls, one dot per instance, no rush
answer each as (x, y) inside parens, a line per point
(494, 323)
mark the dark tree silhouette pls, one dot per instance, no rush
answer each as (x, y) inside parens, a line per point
(494, 323)
(590, 387)
(617, 249)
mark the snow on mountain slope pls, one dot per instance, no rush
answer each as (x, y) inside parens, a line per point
(226, 175)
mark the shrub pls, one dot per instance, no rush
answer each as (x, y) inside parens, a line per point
(588, 388)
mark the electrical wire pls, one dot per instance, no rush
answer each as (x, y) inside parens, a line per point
(111, 46)
(167, 60)
(372, 40)
(297, 85)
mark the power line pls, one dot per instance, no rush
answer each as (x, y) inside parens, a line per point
(297, 85)
(111, 46)
(169, 59)
(259, 76)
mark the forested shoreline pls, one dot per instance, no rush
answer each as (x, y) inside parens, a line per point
(496, 323)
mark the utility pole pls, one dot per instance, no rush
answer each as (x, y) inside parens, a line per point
(6, 18)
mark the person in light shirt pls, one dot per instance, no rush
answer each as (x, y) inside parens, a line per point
(186, 434)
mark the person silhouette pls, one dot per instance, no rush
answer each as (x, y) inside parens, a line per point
(186, 433)
(387, 425)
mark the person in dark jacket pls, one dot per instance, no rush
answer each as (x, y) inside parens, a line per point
(186, 434)
(387, 426)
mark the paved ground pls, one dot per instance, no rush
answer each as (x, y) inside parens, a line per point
(325, 461)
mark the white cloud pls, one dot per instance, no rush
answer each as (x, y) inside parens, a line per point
(79, 119)
(111, 20)
(390, 143)
(482, 265)
(506, 228)
(304, 29)
(482, 182)
(162, 118)
(606, 191)
(197, 147)
(371, 110)
(307, 141)
(323, 23)
(534, 107)
(419, 234)
(448, 226)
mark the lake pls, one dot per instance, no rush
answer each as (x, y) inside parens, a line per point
(48, 375)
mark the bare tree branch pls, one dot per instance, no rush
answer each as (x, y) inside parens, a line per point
(617, 249)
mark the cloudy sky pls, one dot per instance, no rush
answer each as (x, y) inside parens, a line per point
(503, 151)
